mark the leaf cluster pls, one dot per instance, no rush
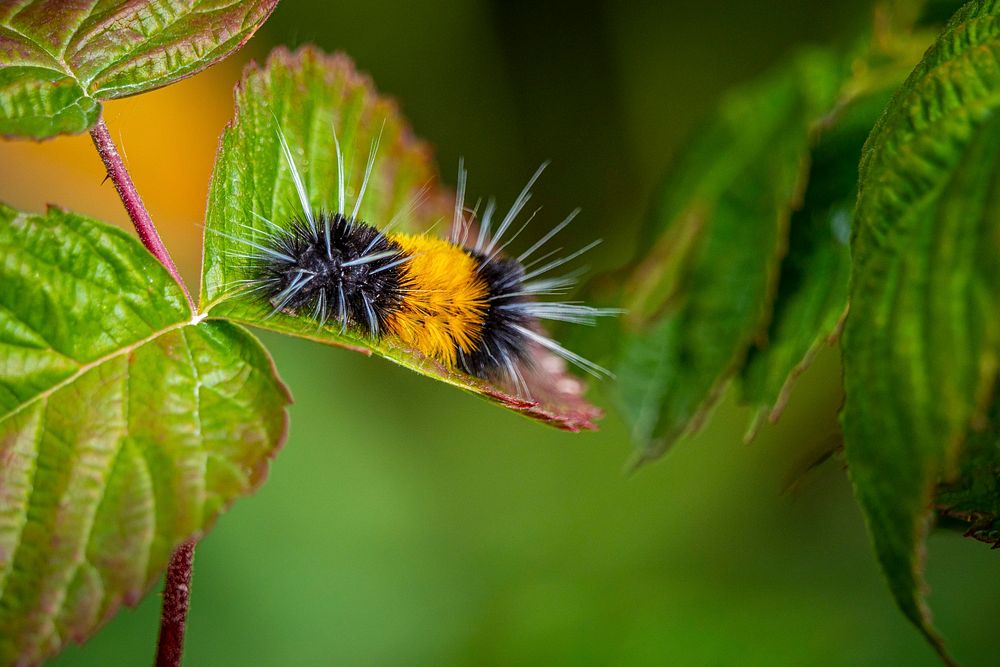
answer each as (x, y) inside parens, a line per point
(852, 198)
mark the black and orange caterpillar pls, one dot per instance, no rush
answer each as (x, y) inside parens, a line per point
(461, 301)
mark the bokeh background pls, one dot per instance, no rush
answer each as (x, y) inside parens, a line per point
(405, 523)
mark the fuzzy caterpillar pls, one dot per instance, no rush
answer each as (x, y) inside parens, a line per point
(460, 301)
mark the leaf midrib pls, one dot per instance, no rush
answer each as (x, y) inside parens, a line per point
(84, 368)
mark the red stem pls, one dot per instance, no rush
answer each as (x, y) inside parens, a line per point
(173, 617)
(177, 589)
(133, 203)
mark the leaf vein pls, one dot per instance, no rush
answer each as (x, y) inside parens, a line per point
(93, 364)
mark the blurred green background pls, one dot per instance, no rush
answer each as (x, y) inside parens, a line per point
(405, 523)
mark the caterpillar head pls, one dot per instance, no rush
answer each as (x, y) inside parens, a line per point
(339, 269)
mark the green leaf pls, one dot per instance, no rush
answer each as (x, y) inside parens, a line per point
(59, 60)
(126, 425)
(703, 293)
(304, 95)
(921, 340)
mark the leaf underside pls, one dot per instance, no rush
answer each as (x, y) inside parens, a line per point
(59, 60)
(702, 296)
(921, 341)
(305, 95)
(125, 428)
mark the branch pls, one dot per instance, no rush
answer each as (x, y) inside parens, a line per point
(173, 617)
(177, 589)
(133, 203)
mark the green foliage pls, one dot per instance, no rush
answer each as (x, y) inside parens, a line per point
(59, 61)
(304, 97)
(702, 296)
(921, 346)
(126, 426)
(127, 423)
(921, 341)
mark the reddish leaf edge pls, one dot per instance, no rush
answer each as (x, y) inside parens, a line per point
(100, 99)
(269, 8)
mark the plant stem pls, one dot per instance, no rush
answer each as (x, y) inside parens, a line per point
(173, 617)
(133, 203)
(177, 589)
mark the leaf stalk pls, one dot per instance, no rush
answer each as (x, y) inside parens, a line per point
(173, 616)
(133, 203)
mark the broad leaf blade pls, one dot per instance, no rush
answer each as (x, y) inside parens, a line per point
(125, 428)
(304, 96)
(703, 294)
(58, 60)
(920, 344)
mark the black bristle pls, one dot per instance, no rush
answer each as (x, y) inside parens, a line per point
(371, 291)
(501, 344)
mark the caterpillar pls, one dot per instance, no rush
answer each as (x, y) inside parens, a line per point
(461, 300)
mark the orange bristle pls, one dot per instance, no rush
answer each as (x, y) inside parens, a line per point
(444, 301)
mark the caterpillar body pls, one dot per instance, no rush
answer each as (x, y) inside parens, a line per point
(461, 301)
